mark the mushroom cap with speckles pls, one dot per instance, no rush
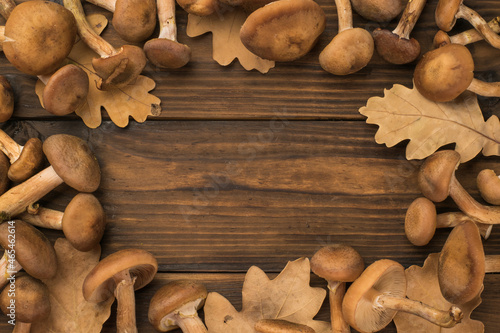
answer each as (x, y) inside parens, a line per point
(436, 173)
(420, 221)
(445, 13)
(135, 20)
(337, 262)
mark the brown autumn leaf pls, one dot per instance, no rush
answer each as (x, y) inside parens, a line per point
(70, 311)
(404, 114)
(288, 296)
(226, 43)
(423, 285)
(134, 100)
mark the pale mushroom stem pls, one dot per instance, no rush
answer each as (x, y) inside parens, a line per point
(44, 218)
(7, 269)
(489, 89)
(480, 24)
(452, 219)
(472, 35)
(6, 7)
(409, 18)
(166, 17)
(492, 263)
(2, 36)
(109, 5)
(125, 298)
(89, 36)
(22, 327)
(336, 296)
(191, 324)
(10, 147)
(344, 12)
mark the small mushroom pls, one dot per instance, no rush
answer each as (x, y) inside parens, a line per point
(6, 7)
(488, 184)
(133, 20)
(199, 7)
(165, 51)
(372, 301)
(39, 36)
(116, 68)
(337, 264)
(465, 37)
(72, 162)
(397, 47)
(461, 265)
(30, 250)
(176, 304)
(379, 10)
(83, 221)
(283, 30)
(421, 222)
(6, 99)
(351, 49)
(447, 12)
(437, 181)
(119, 274)
(281, 326)
(28, 299)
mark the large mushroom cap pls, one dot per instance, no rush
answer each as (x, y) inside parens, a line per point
(420, 221)
(6, 99)
(34, 252)
(172, 297)
(283, 30)
(134, 20)
(443, 74)
(73, 161)
(378, 10)
(337, 262)
(461, 266)
(395, 49)
(436, 173)
(445, 13)
(29, 162)
(385, 277)
(84, 222)
(99, 284)
(41, 34)
(281, 326)
(166, 53)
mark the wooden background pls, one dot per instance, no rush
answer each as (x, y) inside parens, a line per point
(245, 169)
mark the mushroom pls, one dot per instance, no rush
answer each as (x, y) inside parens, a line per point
(337, 264)
(83, 221)
(444, 73)
(421, 222)
(39, 36)
(119, 274)
(6, 99)
(379, 10)
(25, 160)
(396, 47)
(199, 7)
(165, 51)
(283, 30)
(133, 20)
(447, 12)
(28, 300)
(4, 170)
(30, 250)
(72, 162)
(116, 68)
(2, 36)
(488, 184)
(379, 293)
(437, 181)
(351, 49)
(176, 304)
(461, 265)
(465, 37)
(281, 326)
(248, 6)
(6, 7)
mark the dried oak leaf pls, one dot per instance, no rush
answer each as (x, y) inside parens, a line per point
(70, 311)
(288, 296)
(226, 44)
(423, 285)
(405, 114)
(120, 103)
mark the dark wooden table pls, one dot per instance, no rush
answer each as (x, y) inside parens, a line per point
(245, 169)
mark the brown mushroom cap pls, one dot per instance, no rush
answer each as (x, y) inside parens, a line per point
(84, 221)
(283, 30)
(461, 266)
(41, 35)
(378, 10)
(32, 299)
(199, 7)
(99, 284)
(420, 221)
(436, 173)
(441, 38)
(445, 13)
(443, 74)
(488, 184)
(166, 53)
(171, 297)
(395, 49)
(34, 252)
(134, 20)
(66, 90)
(29, 162)
(73, 161)
(4, 170)
(382, 277)
(6, 99)
(337, 262)
(281, 326)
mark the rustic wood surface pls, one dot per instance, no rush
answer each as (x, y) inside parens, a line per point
(245, 169)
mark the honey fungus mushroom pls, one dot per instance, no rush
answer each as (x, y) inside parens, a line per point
(372, 301)
(379, 10)
(283, 30)
(199, 7)
(488, 184)
(6, 99)
(25, 160)
(465, 37)
(351, 49)
(281, 326)
(120, 274)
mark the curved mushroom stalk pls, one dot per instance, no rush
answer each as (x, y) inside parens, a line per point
(465, 37)
(125, 299)
(351, 49)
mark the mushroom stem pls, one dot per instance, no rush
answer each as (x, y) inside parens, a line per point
(447, 318)
(2, 36)
(452, 219)
(6, 7)
(8, 268)
(488, 89)
(125, 297)
(166, 18)
(22, 327)
(109, 5)
(10, 147)
(44, 218)
(472, 35)
(409, 18)
(190, 324)
(492, 263)
(344, 12)
(336, 296)
(480, 24)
